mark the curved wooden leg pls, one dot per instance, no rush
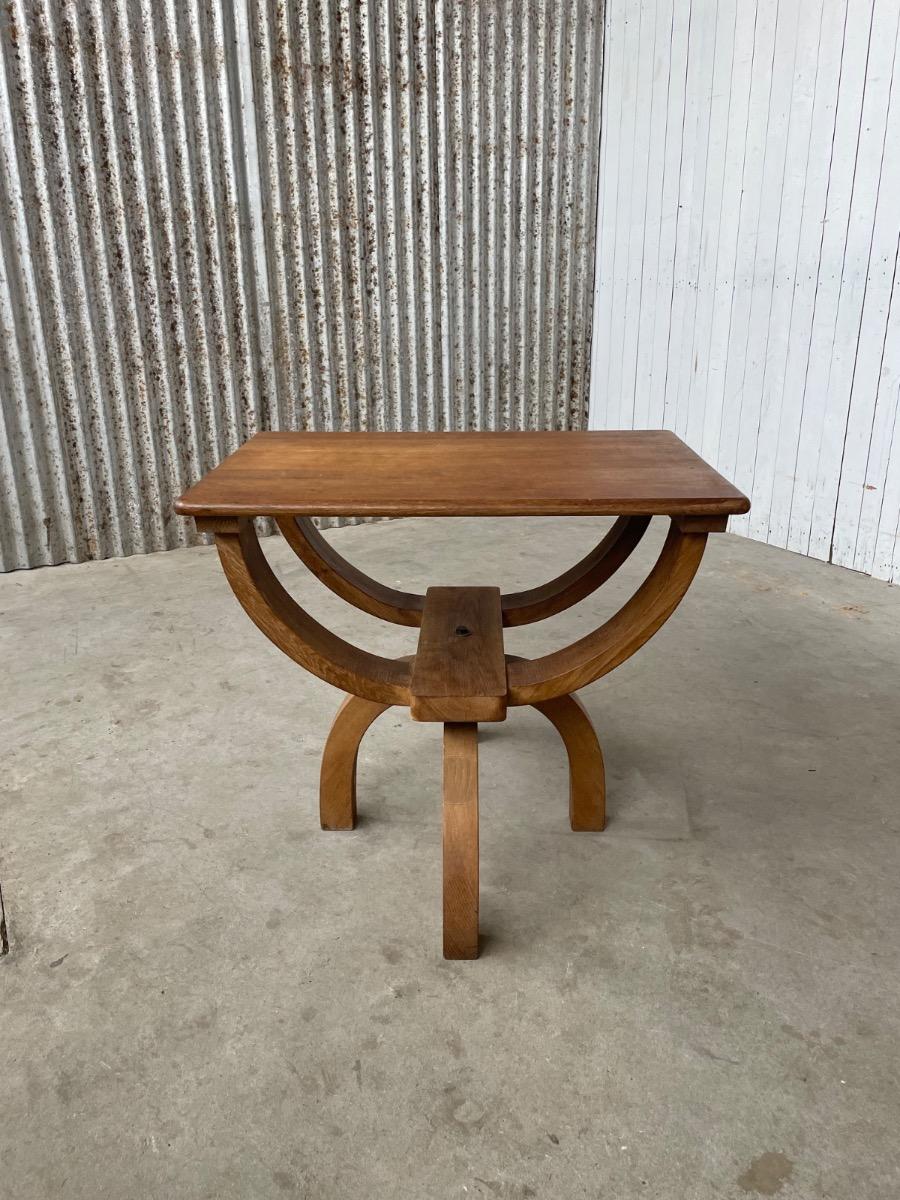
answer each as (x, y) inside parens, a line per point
(460, 841)
(587, 778)
(337, 781)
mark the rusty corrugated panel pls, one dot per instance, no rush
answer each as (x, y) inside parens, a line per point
(220, 217)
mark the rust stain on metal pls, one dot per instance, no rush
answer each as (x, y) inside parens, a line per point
(324, 214)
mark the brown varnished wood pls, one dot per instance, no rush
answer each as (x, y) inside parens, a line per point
(460, 675)
(460, 840)
(217, 524)
(587, 790)
(587, 776)
(594, 655)
(701, 524)
(405, 608)
(337, 779)
(347, 581)
(607, 473)
(459, 671)
(555, 596)
(299, 635)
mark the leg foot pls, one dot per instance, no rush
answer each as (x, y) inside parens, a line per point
(460, 841)
(337, 782)
(587, 780)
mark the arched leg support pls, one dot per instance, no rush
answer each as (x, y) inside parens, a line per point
(406, 608)
(460, 841)
(337, 781)
(587, 778)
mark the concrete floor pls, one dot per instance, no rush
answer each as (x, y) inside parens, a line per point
(207, 996)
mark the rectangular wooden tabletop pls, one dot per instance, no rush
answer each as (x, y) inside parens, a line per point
(463, 474)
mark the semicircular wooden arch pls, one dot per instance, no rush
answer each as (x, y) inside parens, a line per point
(274, 611)
(530, 681)
(519, 608)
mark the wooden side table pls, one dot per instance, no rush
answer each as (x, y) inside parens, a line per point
(460, 675)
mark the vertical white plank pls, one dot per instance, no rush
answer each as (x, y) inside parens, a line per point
(671, 174)
(626, 215)
(690, 202)
(646, 58)
(748, 235)
(831, 273)
(693, 402)
(856, 274)
(689, 363)
(656, 151)
(693, 207)
(886, 561)
(872, 251)
(791, 207)
(879, 506)
(808, 269)
(607, 223)
(765, 248)
(720, 300)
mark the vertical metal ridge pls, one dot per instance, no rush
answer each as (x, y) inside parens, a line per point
(427, 341)
(442, 220)
(575, 366)
(349, 209)
(223, 84)
(286, 362)
(371, 236)
(110, 250)
(187, 376)
(472, 301)
(162, 46)
(569, 105)
(456, 214)
(33, 483)
(383, 90)
(192, 56)
(523, 165)
(537, 210)
(336, 304)
(506, 129)
(307, 210)
(554, 114)
(134, 243)
(85, 443)
(223, 217)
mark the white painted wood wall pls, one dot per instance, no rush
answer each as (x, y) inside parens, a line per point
(747, 291)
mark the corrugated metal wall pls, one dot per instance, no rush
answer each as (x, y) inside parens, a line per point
(748, 280)
(218, 217)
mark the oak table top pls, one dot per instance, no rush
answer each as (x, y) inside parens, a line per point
(607, 473)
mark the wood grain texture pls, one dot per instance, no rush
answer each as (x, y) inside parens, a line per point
(555, 596)
(582, 662)
(643, 472)
(337, 779)
(298, 634)
(459, 671)
(587, 775)
(405, 608)
(460, 841)
(346, 580)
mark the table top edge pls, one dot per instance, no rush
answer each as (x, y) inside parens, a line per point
(728, 506)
